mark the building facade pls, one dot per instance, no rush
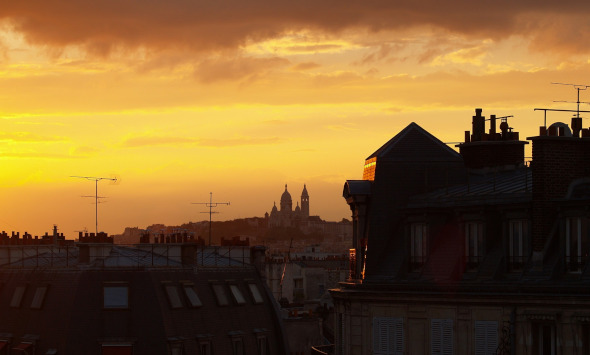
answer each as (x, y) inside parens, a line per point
(476, 252)
(174, 297)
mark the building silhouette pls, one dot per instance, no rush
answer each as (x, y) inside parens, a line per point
(171, 296)
(476, 252)
(286, 216)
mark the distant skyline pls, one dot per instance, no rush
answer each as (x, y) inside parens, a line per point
(182, 98)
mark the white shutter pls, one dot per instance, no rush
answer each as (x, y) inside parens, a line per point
(441, 336)
(486, 337)
(388, 336)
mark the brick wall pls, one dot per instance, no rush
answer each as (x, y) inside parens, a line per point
(557, 161)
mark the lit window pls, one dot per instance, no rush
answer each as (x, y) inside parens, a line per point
(39, 297)
(17, 296)
(220, 294)
(474, 244)
(255, 293)
(116, 297)
(486, 337)
(238, 297)
(519, 249)
(369, 169)
(173, 296)
(191, 296)
(388, 335)
(418, 245)
(576, 243)
(441, 336)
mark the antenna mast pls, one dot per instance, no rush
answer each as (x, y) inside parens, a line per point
(96, 197)
(211, 205)
(577, 117)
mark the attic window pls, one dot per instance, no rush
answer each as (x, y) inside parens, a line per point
(238, 296)
(173, 296)
(255, 293)
(39, 297)
(220, 294)
(116, 296)
(17, 296)
(191, 296)
(369, 169)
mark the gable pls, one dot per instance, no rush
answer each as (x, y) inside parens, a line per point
(413, 143)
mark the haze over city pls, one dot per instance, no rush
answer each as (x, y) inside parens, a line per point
(183, 98)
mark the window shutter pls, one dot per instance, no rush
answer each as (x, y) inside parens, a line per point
(447, 341)
(435, 337)
(486, 337)
(388, 336)
(441, 336)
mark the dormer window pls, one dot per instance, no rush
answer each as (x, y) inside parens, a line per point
(518, 243)
(418, 245)
(576, 243)
(474, 244)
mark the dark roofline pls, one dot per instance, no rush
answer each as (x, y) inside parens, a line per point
(398, 137)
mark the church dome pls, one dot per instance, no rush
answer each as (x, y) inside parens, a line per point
(297, 209)
(286, 197)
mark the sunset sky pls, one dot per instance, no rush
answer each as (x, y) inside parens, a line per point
(185, 97)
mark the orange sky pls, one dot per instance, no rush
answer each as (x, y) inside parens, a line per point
(183, 97)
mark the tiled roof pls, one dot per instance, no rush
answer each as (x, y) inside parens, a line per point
(511, 185)
(413, 143)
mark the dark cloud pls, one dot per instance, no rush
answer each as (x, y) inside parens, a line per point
(101, 26)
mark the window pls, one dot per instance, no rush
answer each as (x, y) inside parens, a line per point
(441, 336)
(237, 344)
(173, 296)
(39, 297)
(418, 245)
(255, 293)
(220, 294)
(116, 297)
(518, 248)
(576, 243)
(17, 296)
(486, 337)
(388, 336)
(474, 244)
(191, 295)
(117, 349)
(543, 338)
(205, 347)
(237, 294)
(262, 345)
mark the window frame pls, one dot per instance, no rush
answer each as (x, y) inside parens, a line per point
(518, 238)
(578, 244)
(486, 337)
(419, 244)
(474, 246)
(388, 336)
(221, 296)
(18, 295)
(441, 337)
(39, 297)
(186, 287)
(115, 285)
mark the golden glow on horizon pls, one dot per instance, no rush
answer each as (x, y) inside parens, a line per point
(287, 97)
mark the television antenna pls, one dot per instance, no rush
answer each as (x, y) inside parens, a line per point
(211, 205)
(96, 197)
(578, 87)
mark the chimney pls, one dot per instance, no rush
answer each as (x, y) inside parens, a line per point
(558, 159)
(493, 150)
